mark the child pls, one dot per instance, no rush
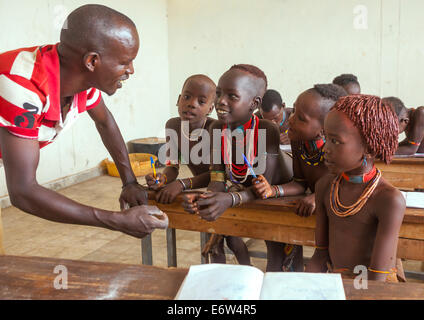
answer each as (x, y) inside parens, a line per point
(306, 134)
(274, 109)
(239, 93)
(359, 214)
(412, 122)
(195, 103)
(349, 82)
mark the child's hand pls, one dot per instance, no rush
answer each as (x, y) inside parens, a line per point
(155, 184)
(190, 202)
(212, 204)
(306, 206)
(168, 193)
(284, 138)
(262, 188)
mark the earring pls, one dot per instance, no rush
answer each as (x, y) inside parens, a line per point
(364, 162)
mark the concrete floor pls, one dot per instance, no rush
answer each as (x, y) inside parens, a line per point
(26, 235)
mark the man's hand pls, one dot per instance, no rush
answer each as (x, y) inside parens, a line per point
(284, 138)
(212, 204)
(306, 206)
(138, 221)
(169, 192)
(133, 194)
(156, 184)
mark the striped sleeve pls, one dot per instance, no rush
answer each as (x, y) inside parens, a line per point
(93, 98)
(21, 104)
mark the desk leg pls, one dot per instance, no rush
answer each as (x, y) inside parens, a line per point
(146, 250)
(171, 247)
(204, 237)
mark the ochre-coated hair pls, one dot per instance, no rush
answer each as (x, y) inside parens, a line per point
(253, 70)
(375, 120)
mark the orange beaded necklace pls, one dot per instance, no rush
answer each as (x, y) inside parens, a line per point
(344, 211)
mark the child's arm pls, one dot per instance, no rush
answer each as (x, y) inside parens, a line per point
(390, 209)
(415, 134)
(318, 262)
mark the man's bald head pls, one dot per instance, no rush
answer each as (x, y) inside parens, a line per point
(95, 27)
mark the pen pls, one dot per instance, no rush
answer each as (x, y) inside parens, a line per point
(152, 164)
(250, 167)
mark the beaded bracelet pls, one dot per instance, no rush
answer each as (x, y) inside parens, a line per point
(378, 271)
(191, 183)
(414, 143)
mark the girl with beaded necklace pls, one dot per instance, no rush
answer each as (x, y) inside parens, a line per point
(307, 140)
(239, 92)
(195, 103)
(358, 213)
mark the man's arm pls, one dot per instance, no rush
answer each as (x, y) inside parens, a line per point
(414, 135)
(20, 159)
(390, 209)
(132, 192)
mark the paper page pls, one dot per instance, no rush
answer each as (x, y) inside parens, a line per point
(221, 282)
(414, 199)
(302, 286)
(285, 147)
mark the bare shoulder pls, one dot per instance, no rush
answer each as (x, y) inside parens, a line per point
(389, 200)
(173, 123)
(323, 184)
(209, 122)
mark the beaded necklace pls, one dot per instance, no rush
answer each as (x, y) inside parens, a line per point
(192, 137)
(363, 178)
(317, 150)
(239, 173)
(344, 211)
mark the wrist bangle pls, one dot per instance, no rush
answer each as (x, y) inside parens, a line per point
(276, 191)
(280, 190)
(378, 271)
(128, 183)
(166, 179)
(241, 199)
(233, 199)
(183, 184)
(191, 183)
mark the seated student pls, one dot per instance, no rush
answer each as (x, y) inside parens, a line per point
(412, 122)
(195, 103)
(239, 93)
(349, 82)
(274, 109)
(306, 134)
(358, 212)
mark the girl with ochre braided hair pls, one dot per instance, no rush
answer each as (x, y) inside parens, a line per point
(358, 213)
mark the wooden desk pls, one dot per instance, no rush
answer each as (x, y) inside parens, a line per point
(33, 278)
(404, 172)
(274, 219)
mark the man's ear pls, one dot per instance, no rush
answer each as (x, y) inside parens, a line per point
(91, 60)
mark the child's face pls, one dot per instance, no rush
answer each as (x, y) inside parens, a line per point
(343, 149)
(305, 124)
(235, 97)
(275, 114)
(195, 100)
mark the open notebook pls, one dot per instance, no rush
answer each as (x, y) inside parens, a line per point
(236, 282)
(414, 199)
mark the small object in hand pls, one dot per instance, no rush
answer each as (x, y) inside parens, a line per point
(152, 164)
(154, 211)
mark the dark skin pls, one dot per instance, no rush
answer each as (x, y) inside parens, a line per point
(372, 233)
(276, 115)
(412, 122)
(79, 71)
(304, 125)
(238, 95)
(194, 103)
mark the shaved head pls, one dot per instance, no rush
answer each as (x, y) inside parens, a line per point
(95, 27)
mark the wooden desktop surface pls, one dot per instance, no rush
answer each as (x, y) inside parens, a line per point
(34, 277)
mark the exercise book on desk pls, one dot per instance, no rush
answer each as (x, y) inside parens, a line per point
(237, 282)
(414, 199)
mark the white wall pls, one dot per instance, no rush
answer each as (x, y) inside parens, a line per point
(298, 43)
(140, 107)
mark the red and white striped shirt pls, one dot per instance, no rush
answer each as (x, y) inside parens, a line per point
(30, 95)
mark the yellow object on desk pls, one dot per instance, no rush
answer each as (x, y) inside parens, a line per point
(140, 163)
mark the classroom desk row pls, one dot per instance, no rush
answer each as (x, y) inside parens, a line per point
(34, 278)
(271, 219)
